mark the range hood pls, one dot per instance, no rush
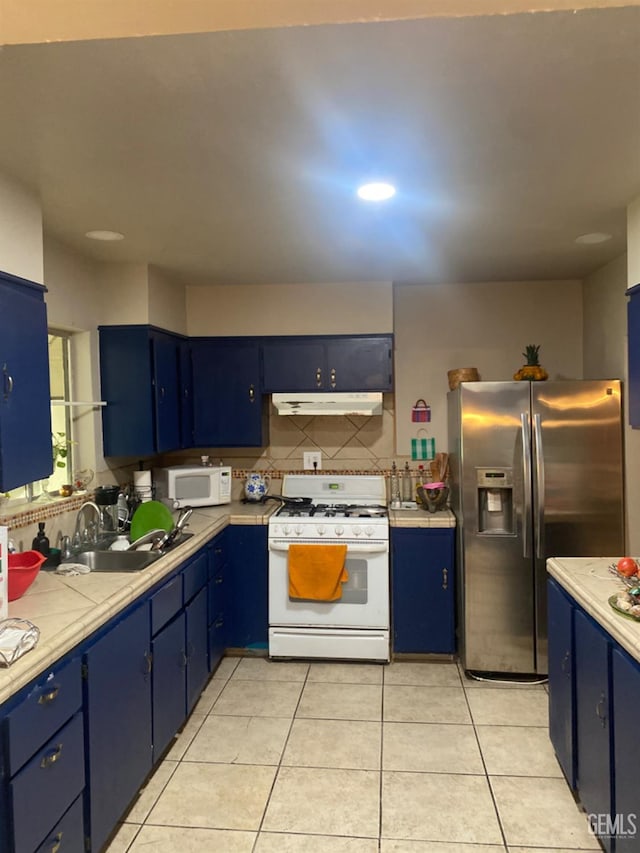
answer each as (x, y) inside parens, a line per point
(346, 403)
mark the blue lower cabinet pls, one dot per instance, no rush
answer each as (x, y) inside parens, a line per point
(626, 712)
(593, 718)
(218, 570)
(423, 590)
(47, 785)
(562, 715)
(197, 647)
(68, 835)
(118, 720)
(169, 683)
(247, 614)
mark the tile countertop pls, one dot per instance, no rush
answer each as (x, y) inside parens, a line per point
(421, 518)
(67, 610)
(589, 582)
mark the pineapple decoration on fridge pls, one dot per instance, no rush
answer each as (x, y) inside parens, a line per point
(532, 370)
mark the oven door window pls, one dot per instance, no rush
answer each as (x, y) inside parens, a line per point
(354, 591)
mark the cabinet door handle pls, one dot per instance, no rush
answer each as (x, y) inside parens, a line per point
(57, 842)
(8, 382)
(600, 714)
(185, 659)
(149, 662)
(319, 377)
(218, 580)
(445, 579)
(51, 757)
(333, 377)
(565, 661)
(252, 394)
(219, 622)
(162, 392)
(49, 696)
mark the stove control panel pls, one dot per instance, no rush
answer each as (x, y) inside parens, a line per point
(329, 531)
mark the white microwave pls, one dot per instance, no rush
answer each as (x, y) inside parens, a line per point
(193, 485)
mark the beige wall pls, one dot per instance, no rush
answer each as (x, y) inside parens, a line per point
(632, 436)
(124, 294)
(605, 341)
(291, 309)
(605, 322)
(167, 302)
(20, 231)
(483, 325)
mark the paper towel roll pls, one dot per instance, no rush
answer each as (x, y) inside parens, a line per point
(142, 485)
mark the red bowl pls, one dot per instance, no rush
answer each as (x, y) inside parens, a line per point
(23, 570)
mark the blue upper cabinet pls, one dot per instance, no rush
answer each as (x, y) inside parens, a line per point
(25, 401)
(140, 382)
(343, 363)
(228, 408)
(633, 324)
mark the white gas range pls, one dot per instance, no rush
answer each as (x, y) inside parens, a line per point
(321, 509)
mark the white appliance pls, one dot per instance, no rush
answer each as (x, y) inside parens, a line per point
(320, 509)
(328, 403)
(193, 485)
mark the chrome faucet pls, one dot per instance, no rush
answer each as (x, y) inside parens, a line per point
(88, 533)
(156, 537)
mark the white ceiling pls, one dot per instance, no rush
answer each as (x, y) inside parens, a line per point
(233, 157)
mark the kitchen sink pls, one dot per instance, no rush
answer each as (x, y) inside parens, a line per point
(115, 561)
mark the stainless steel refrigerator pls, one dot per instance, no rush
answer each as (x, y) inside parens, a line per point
(536, 472)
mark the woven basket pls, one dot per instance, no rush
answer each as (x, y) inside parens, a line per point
(462, 374)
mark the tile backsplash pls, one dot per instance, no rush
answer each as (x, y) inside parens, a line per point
(348, 443)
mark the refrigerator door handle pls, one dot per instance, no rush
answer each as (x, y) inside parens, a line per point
(526, 477)
(539, 491)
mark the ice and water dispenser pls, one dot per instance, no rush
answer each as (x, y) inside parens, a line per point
(495, 500)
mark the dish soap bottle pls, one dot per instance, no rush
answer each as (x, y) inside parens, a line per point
(41, 541)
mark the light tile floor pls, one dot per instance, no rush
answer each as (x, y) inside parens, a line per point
(357, 758)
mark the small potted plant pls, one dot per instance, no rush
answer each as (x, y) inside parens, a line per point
(61, 447)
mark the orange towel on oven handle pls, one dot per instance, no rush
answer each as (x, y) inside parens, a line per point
(316, 572)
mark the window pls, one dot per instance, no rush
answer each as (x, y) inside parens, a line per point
(62, 443)
(61, 422)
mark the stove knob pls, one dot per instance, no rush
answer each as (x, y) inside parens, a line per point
(339, 530)
(286, 529)
(298, 529)
(357, 530)
(321, 529)
(369, 530)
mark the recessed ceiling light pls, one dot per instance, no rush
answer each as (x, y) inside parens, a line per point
(593, 238)
(377, 191)
(105, 236)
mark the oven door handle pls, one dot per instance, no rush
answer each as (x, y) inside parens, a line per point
(351, 548)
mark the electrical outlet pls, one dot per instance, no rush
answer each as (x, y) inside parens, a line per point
(312, 460)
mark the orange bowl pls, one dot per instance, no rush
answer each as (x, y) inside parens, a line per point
(23, 570)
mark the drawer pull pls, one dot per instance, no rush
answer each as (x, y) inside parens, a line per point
(319, 377)
(445, 579)
(219, 622)
(218, 580)
(252, 394)
(49, 696)
(333, 377)
(51, 757)
(57, 843)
